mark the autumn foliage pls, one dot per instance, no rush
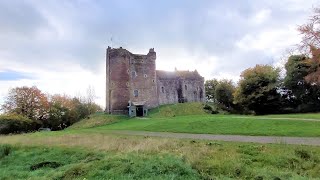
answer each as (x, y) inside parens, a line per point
(55, 112)
(310, 45)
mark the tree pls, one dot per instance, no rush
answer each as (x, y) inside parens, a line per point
(29, 102)
(60, 105)
(210, 88)
(310, 45)
(257, 89)
(223, 93)
(296, 70)
(305, 96)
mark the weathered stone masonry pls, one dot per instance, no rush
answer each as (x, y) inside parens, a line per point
(133, 79)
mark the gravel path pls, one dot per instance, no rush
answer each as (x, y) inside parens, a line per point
(314, 141)
(278, 118)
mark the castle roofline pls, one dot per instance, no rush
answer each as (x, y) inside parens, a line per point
(120, 49)
(184, 74)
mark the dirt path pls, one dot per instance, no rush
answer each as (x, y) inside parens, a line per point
(314, 141)
(278, 118)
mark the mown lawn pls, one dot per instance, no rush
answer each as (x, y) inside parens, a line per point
(223, 124)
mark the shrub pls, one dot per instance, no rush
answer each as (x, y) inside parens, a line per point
(13, 123)
(5, 150)
(209, 109)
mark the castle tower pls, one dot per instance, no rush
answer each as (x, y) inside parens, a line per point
(130, 78)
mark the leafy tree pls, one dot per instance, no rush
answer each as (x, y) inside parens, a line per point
(296, 69)
(223, 93)
(210, 89)
(58, 113)
(27, 101)
(310, 44)
(257, 89)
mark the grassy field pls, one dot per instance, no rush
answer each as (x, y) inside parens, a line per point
(220, 124)
(103, 156)
(171, 118)
(87, 150)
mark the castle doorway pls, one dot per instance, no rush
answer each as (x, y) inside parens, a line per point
(139, 111)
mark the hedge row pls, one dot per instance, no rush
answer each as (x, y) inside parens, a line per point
(13, 123)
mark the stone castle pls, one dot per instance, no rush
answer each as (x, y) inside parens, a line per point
(133, 85)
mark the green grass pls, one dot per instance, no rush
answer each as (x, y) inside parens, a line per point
(98, 119)
(86, 151)
(220, 124)
(62, 163)
(154, 158)
(181, 109)
(191, 118)
(301, 116)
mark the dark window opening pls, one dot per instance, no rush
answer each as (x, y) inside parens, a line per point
(135, 93)
(185, 87)
(162, 89)
(180, 96)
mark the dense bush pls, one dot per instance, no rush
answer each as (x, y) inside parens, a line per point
(13, 123)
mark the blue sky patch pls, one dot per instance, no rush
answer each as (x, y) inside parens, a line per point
(10, 75)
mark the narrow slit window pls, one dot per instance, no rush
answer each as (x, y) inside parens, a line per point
(133, 74)
(162, 89)
(135, 93)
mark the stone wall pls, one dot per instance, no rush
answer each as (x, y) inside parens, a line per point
(117, 92)
(143, 79)
(133, 77)
(180, 86)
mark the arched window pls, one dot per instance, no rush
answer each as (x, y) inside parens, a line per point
(162, 89)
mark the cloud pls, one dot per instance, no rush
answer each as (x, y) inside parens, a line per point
(62, 43)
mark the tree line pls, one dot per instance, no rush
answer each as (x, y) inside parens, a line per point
(28, 109)
(261, 89)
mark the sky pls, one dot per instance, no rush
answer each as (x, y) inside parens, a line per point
(59, 46)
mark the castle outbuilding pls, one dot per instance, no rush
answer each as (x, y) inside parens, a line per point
(133, 85)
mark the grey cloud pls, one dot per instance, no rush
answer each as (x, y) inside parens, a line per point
(212, 27)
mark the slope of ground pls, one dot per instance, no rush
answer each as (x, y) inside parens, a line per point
(180, 109)
(98, 119)
(221, 124)
(172, 118)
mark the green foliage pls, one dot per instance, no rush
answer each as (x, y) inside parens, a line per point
(224, 93)
(209, 109)
(305, 96)
(55, 112)
(13, 123)
(257, 89)
(210, 89)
